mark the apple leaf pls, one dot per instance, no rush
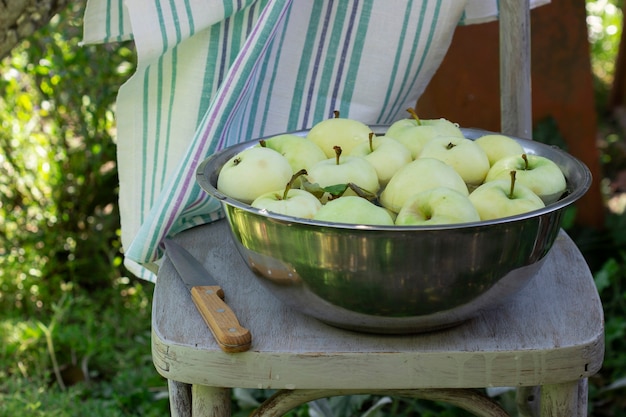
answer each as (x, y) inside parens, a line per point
(335, 191)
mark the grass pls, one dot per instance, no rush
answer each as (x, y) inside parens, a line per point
(90, 357)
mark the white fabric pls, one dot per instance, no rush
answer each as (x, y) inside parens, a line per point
(212, 73)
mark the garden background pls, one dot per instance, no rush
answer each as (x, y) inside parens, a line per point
(75, 325)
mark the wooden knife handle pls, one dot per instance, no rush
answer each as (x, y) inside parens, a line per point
(222, 322)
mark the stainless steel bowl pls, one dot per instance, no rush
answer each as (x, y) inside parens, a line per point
(392, 279)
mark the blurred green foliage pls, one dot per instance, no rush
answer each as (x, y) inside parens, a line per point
(74, 329)
(604, 21)
(58, 175)
(607, 250)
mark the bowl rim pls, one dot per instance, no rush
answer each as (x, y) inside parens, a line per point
(208, 181)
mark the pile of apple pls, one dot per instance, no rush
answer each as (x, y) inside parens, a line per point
(420, 172)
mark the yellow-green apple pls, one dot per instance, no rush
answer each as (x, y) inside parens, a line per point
(462, 154)
(290, 201)
(252, 172)
(420, 175)
(386, 154)
(498, 146)
(297, 203)
(415, 132)
(503, 198)
(436, 206)
(344, 170)
(299, 151)
(338, 131)
(539, 173)
(353, 210)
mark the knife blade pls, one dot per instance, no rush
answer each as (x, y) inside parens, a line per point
(208, 297)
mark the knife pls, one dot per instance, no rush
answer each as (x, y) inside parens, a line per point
(208, 297)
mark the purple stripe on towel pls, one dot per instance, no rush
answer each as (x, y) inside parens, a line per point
(221, 103)
(316, 65)
(344, 53)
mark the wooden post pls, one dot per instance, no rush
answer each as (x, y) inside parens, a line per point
(515, 88)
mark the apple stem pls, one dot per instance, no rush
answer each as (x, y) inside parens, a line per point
(525, 158)
(292, 181)
(371, 141)
(450, 145)
(362, 192)
(414, 115)
(512, 189)
(336, 114)
(263, 143)
(337, 153)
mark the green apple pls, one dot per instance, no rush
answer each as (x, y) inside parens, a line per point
(439, 205)
(299, 151)
(540, 174)
(420, 175)
(386, 154)
(297, 203)
(344, 170)
(503, 198)
(353, 210)
(462, 154)
(253, 172)
(342, 132)
(414, 132)
(290, 201)
(498, 146)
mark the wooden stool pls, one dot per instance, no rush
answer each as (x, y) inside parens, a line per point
(550, 334)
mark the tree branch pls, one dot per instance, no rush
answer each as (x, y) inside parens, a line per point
(21, 18)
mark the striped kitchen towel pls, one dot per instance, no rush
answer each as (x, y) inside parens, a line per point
(213, 73)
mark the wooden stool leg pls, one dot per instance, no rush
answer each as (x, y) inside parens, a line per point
(210, 401)
(180, 398)
(583, 397)
(564, 400)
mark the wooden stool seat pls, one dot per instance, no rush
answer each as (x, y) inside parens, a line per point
(550, 334)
